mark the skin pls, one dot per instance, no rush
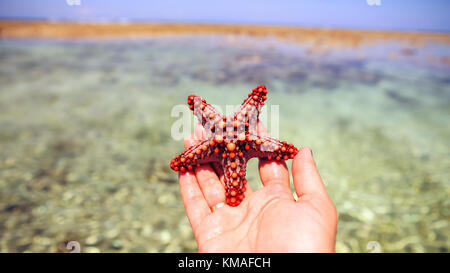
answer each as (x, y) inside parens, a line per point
(269, 219)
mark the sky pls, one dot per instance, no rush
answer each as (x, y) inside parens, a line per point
(420, 15)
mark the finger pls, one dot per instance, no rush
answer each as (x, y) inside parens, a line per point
(194, 202)
(272, 171)
(218, 170)
(208, 179)
(212, 188)
(248, 189)
(306, 176)
(199, 132)
(195, 138)
(189, 141)
(262, 131)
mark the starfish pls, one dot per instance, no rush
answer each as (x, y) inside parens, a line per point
(232, 141)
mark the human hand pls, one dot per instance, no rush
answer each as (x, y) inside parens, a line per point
(267, 220)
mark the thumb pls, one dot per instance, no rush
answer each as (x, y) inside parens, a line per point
(306, 177)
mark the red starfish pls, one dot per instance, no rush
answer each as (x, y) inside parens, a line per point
(232, 141)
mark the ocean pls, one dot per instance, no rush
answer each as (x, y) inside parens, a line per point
(86, 136)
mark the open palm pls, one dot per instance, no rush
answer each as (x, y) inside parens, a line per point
(268, 220)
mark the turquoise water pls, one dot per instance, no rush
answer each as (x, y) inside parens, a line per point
(85, 137)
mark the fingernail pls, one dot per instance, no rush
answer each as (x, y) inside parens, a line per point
(310, 150)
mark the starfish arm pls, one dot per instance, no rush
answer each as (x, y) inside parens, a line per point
(207, 115)
(234, 179)
(270, 148)
(248, 112)
(195, 155)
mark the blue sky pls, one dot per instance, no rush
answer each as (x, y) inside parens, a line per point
(391, 14)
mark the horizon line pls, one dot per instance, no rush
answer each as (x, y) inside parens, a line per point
(124, 20)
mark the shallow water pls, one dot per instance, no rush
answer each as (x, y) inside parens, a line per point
(85, 137)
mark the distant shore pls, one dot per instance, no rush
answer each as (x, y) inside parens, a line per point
(317, 37)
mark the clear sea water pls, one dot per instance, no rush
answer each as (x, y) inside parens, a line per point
(85, 136)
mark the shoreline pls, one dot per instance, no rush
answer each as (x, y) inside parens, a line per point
(316, 37)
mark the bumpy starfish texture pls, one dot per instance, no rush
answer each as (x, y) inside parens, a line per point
(232, 141)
